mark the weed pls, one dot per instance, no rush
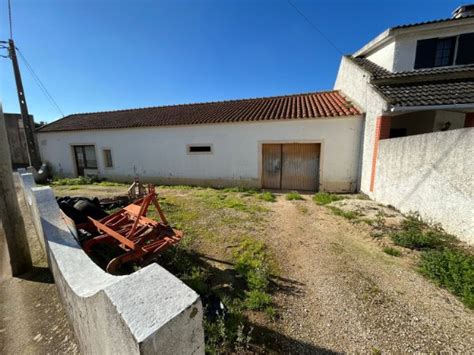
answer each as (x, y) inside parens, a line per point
(350, 215)
(414, 234)
(110, 183)
(293, 196)
(392, 251)
(247, 190)
(267, 196)
(81, 180)
(196, 279)
(257, 300)
(452, 269)
(302, 209)
(323, 198)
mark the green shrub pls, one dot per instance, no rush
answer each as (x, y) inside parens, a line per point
(293, 195)
(415, 235)
(392, 251)
(267, 196)
(452, 269)
(257, 300)
(323, 198)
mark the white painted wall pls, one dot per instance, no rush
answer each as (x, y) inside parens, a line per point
(397, 49)
(160, 153)
(384, 56)
(354, 83)
(435, 179)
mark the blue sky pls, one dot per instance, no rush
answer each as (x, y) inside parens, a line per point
(116, 54)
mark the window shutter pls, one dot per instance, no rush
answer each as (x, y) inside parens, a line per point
(425, 53)
(465, 53)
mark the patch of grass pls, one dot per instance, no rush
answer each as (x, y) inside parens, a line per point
(350, 215)
(302, 208)
(267, 196)
(247, 190)
(392, 251)
(196, 279)
(217, 200)
(324, 198)
(257, 300)
(294, 196)
(81, 180)
(414, 234)
(451, 269)
(110, 183)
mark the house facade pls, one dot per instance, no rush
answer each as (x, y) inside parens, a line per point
(302, 142)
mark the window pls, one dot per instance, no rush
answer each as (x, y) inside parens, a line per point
(85, 158)
(444, 51)
(199, 149)
(108, 158)
(465, 53)
(440, 52)
(434, 52)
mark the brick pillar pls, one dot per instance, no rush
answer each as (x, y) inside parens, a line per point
(469, 120)
(382, 131)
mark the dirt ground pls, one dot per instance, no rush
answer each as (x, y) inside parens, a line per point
(336, 290)
(32, 318)
(347, 295)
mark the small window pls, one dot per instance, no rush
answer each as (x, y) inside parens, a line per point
(108, 158)
(203, 149)
(444, 51)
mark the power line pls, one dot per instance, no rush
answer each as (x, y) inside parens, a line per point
(10, 18)
(40, 83)
(315, 27)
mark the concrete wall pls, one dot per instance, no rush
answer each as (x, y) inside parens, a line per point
(160, 153)
(147, 312)
(354, 83)
(435, 179)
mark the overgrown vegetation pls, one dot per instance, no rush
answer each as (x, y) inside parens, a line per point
(294, 196)
(222, 224)
(452, 269)
(392, 251)
(442, 258)
(414, 234)
(324, 198)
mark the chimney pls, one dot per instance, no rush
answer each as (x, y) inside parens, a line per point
(463, 11)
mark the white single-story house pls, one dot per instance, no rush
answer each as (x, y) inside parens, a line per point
(303, 142)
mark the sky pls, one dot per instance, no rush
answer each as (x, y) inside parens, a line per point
(115, 54)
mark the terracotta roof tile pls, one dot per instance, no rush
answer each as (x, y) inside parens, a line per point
(290, 107)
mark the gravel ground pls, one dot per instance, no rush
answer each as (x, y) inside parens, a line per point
(344, 294)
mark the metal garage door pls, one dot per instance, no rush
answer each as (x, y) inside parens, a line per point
(291, 166)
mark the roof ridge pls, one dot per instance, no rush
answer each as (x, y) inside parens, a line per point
(200, 103)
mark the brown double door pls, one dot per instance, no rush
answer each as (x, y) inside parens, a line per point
(292, 166)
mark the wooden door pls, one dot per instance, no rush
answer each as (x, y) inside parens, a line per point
(300, 166)
(271, 177)
(291, 166)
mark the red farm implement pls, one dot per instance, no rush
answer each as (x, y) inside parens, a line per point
(129, 236)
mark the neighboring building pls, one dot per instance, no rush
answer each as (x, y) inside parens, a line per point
(302, 142)
(414, 83)
(17, 140)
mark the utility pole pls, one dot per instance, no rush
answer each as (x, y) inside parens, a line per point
(15, 258)
(33, 154)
